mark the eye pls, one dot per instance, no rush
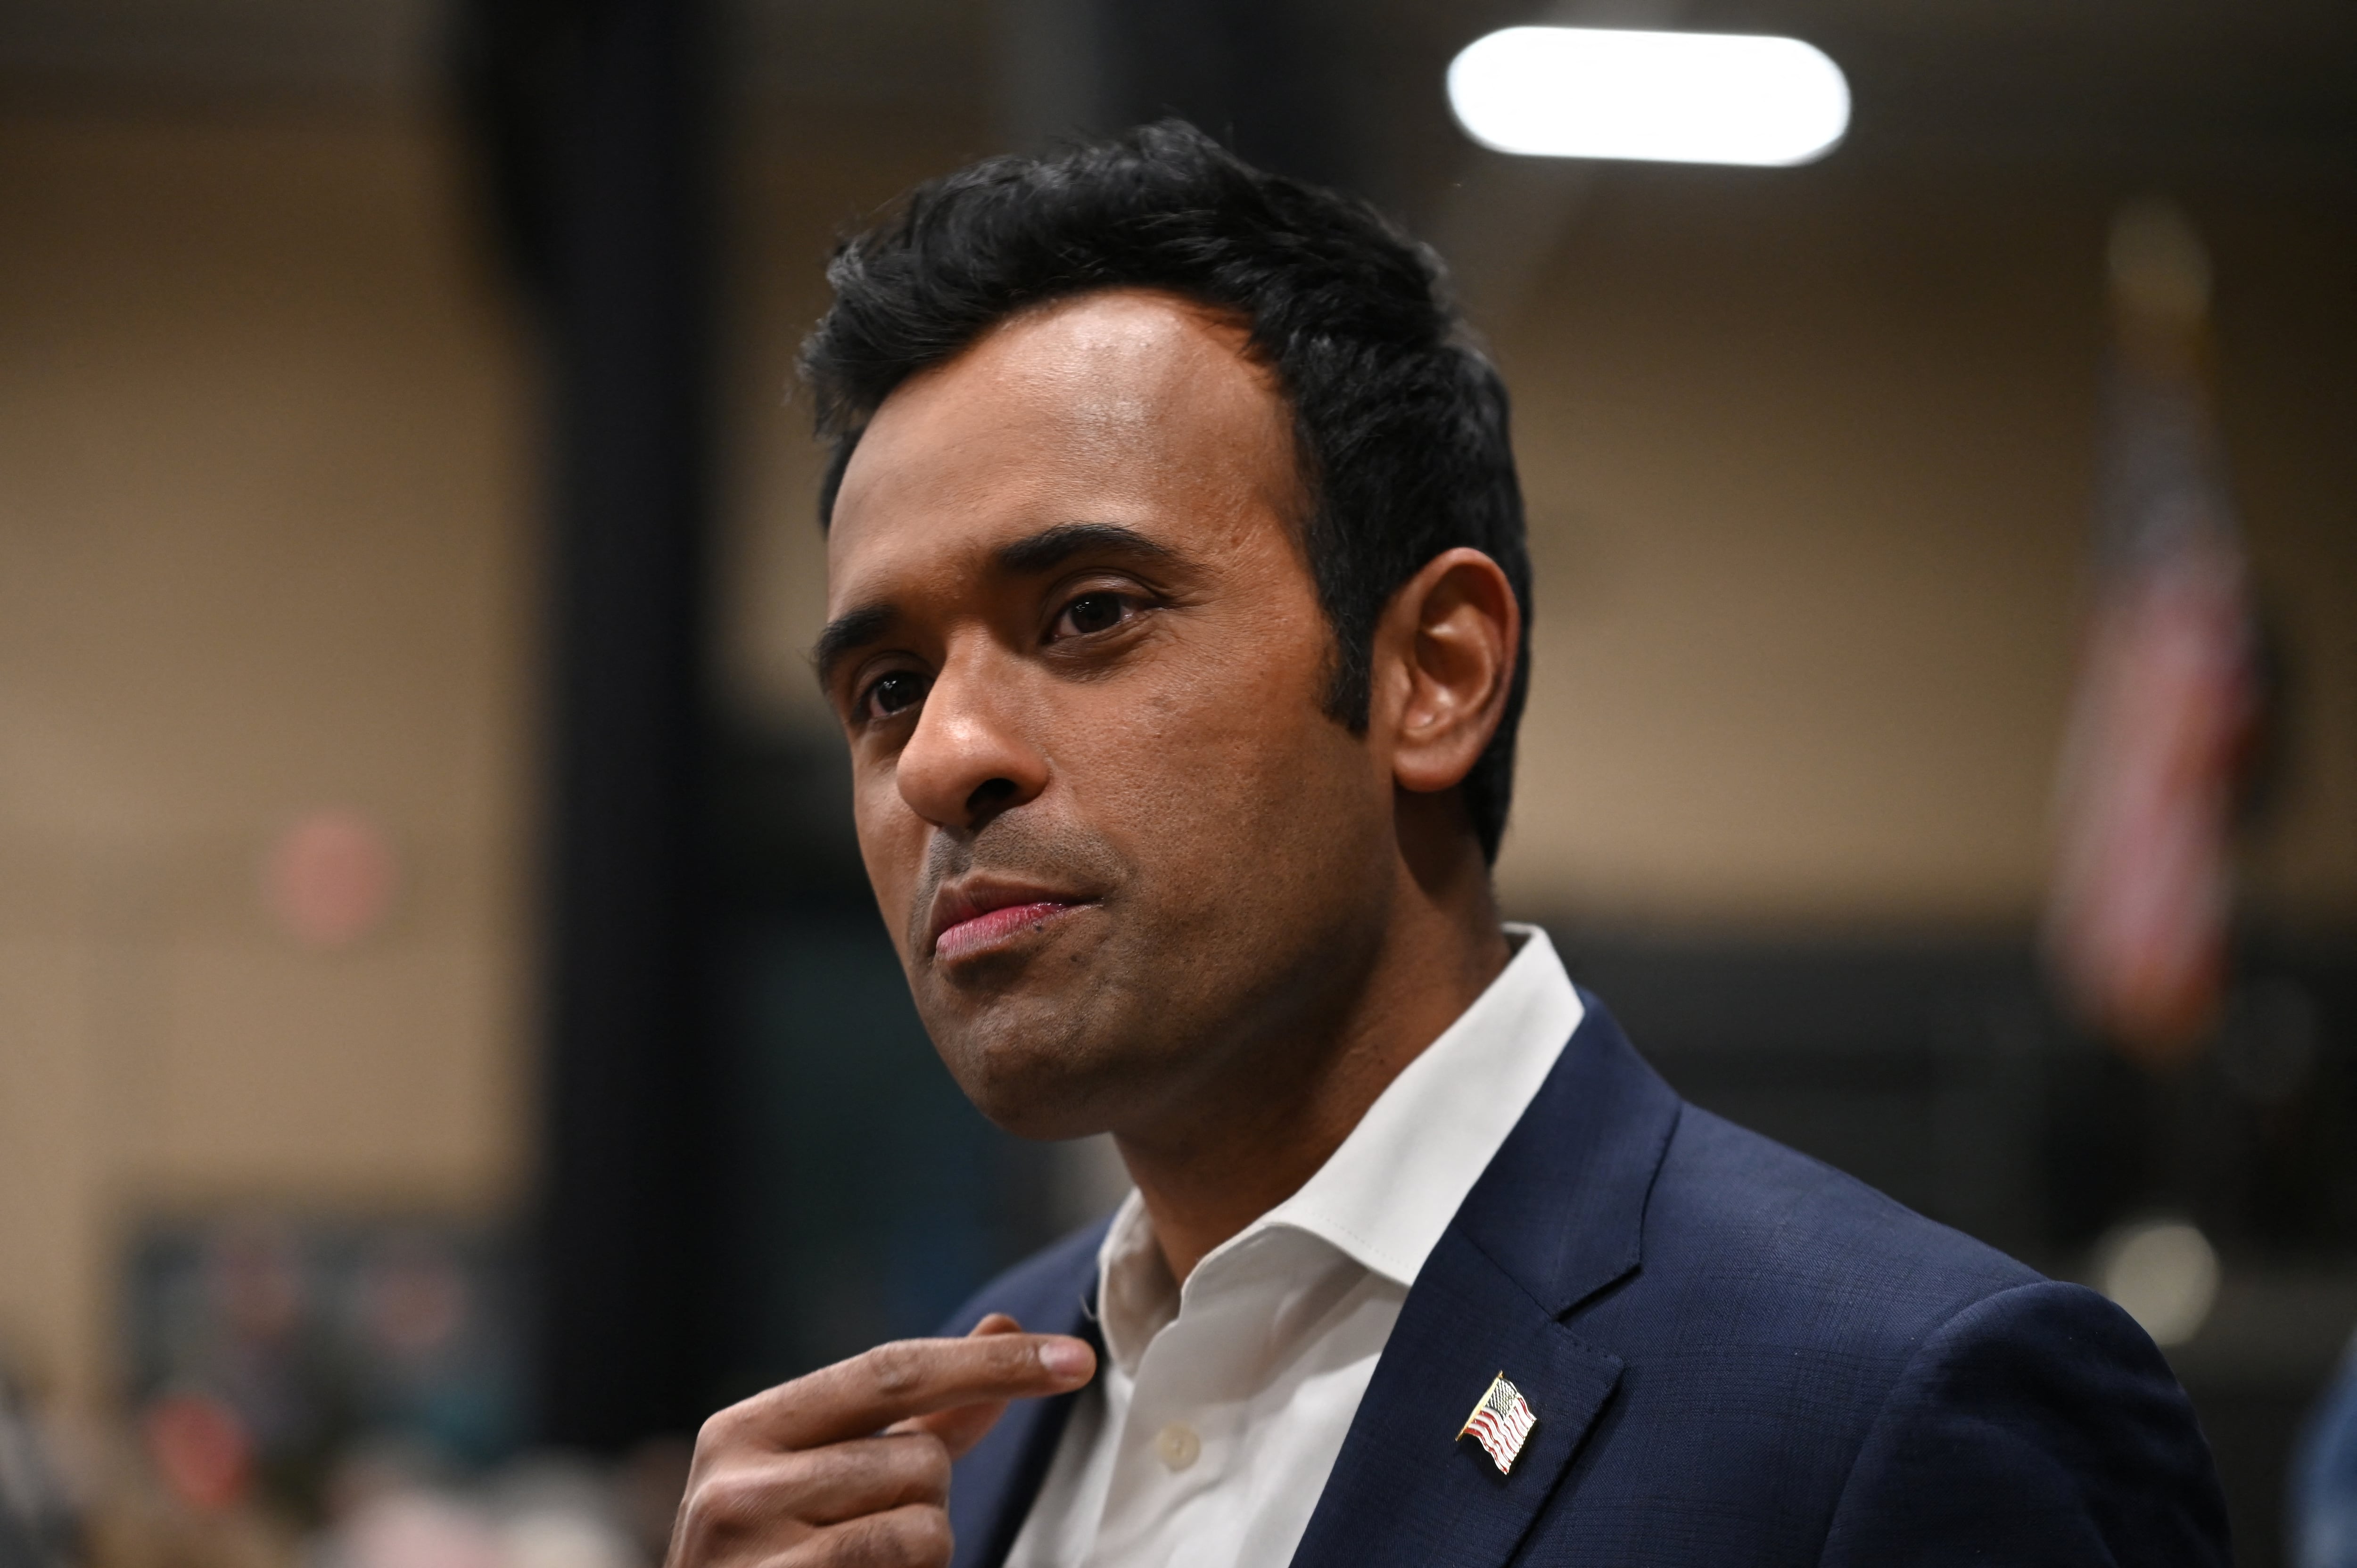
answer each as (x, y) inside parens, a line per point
(1092, 613)
(892, 693)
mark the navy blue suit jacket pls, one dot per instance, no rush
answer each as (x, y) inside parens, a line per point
(1736, 1355)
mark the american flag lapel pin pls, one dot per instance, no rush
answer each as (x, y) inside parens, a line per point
(1501, 1422)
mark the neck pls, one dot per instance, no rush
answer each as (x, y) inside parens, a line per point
(1241, 1147)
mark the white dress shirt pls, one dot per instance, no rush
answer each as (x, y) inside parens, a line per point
(1221, 1403)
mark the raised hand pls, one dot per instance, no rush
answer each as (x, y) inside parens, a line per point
(850, 1463)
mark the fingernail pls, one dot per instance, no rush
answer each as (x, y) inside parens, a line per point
(1066, 1357)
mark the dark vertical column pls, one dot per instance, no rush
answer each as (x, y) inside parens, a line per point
(1254, 74)
(623, 1204)
(594, 114)
(1261, 75)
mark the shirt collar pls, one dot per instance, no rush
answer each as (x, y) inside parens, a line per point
(1384, 1197)
(1387, 1194)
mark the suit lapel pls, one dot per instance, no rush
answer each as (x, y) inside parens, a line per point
(1557, 1217)
(997, 1481)
(1404, 1489)
(994, 1484)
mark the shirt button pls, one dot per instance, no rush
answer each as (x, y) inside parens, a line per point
(1176, 1445)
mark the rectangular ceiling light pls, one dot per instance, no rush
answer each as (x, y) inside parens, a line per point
(1686, 98)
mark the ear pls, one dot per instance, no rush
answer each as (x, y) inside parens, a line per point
(1444, 661)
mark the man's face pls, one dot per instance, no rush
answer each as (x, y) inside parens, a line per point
(1124, 852)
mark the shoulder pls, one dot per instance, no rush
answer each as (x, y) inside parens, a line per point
(2039, 1424)
(1048, 1291)
(1793, 1338)
(1803, 1254)
(1805, 1277)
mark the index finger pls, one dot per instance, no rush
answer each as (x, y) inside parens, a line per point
(915, 1377)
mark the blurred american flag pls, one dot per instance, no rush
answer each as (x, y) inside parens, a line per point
(2168, 698)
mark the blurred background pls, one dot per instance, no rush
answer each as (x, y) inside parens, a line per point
(446, 1046)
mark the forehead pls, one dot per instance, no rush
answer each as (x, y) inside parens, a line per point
(1126, 406)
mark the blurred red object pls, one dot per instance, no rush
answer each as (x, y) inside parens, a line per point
(2168, 701)
(201, 1449)
(330, 878)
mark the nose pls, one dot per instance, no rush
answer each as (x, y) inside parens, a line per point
(968, 758)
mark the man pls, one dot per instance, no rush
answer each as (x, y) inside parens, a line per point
(1179, 603)
(2323, 1512)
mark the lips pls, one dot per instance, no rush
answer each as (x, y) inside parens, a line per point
(969, 919)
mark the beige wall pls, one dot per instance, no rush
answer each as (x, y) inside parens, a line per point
(1809, 457)
(261, 549)
(1809, 465)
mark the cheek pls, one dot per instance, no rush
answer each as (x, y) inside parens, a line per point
(891, 845)
(1231, 770)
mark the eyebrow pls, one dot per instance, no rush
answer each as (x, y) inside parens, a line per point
(851, 630)
(1051, 547)
(1041, 551)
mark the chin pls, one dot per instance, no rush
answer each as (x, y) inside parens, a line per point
(1037, 1082)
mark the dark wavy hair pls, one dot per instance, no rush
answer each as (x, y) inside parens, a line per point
(1400, 421)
